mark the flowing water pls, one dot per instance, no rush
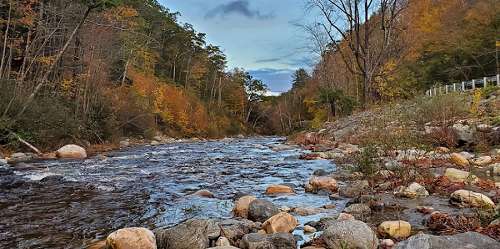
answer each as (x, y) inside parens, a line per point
(67, 204)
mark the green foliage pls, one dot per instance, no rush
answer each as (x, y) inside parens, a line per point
(337, 101)
(366, 163)
(300, 78)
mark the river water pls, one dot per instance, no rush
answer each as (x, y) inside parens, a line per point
(68, 204)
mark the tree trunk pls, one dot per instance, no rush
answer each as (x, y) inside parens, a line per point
(45, 77)
(2, 63)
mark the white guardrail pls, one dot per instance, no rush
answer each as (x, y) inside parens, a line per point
(465, 86)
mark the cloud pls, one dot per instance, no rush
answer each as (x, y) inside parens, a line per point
(268, 60)
(239, 7)
(278, 80)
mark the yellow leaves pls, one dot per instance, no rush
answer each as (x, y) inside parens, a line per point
(476, 100)
(46, 60)
(67, 85)
(126, 12)
(176, 108)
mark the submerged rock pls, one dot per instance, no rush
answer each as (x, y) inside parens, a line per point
(71, 151)
(279, 189)
(350, 234)
(261, 210)
(204, 193)
(469, 240)
(131, 238)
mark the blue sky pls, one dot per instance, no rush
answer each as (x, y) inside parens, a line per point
(258, 35)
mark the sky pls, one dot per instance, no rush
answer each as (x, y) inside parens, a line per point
(261, 36)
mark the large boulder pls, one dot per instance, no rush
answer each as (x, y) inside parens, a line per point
(397, 229)
(459, 159)
(241, 206)
(317, 183)
(261, 210)
(279, 189)
(192, 234)
(72, 151)
(280, 223)
(268, 241)
(456, 175)
(414, 190)
(349, 234)
(469, 240)
(471, 199)
(131, 238)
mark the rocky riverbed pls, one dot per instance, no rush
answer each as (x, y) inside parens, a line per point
(246, 193)
(73, 203)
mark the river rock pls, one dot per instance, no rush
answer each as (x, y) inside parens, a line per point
(71, 151)
(456, 175)
(20, 157)
(464, 132)
(495, 169)
(442, 150)
(280, 223)
(468, 198)
(350, 234)
(241, 206)
(358, 210)
(459, 159)
(261, 210)
(387, 244)
(268, 241)
(234, 229)
(222, 241)
(317, 183)
(354, 189)
(469, 240)
(223, 247)
(204, 193)
(309, 229)
(392, 165)
(414, 190)
(279, 189)
(482, 161)
(398, 229)
(131, 238)
(307, 211)
(345, 216)
(124, 143)
(191, 234)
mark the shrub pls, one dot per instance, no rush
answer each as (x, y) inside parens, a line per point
(443, 136)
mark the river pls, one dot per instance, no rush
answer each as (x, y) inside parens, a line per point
(68, 204)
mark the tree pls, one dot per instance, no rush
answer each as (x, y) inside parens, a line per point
(351, 27)
(256, 90)
(90, 6)
(300, 77)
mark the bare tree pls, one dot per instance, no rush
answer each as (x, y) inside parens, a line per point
(351, 27)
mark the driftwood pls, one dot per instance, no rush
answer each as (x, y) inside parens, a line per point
(33, 148)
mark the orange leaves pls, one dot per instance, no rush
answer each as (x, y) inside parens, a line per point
(176, 108)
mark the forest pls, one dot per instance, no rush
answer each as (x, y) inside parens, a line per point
(94, 71)
(375, 52)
